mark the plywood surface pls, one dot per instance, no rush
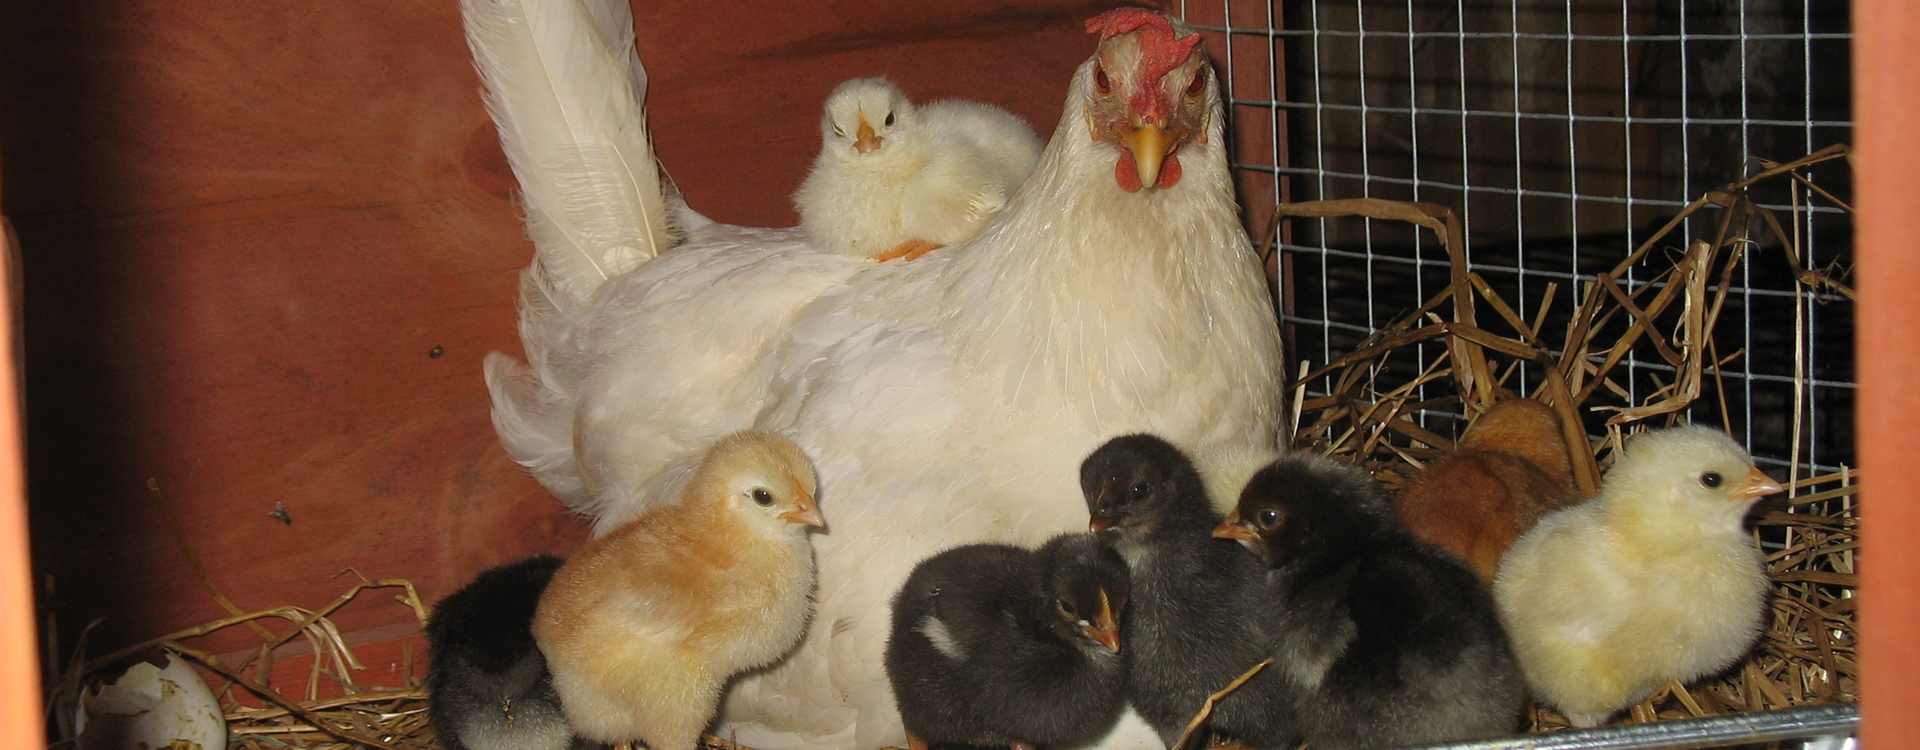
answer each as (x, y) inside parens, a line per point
(248, 228)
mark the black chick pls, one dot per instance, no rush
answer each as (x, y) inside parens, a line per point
(1388, 640)
(487, 682)
(1199, 617)
(996, 645)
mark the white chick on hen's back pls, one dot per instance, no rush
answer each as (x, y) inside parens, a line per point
(897, 180)
(1654, 580)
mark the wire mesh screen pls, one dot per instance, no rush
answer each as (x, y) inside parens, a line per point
(1563, 134)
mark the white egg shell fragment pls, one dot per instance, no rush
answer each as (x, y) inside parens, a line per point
(152, 708)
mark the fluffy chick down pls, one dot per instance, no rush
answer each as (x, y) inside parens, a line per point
(1653, 580)
(1386, 640)
(488, 686)
(994, 645)
(894, 179)
(1512, 467)
(643, 626)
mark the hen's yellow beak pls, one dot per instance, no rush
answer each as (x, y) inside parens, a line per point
(1149, 145)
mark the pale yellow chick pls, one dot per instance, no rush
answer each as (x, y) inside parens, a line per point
(1653, 580)
(643, 626)
(895, 180)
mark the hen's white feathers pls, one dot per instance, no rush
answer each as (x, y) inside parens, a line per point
(566, 88)
(933, 174)
(945, 401)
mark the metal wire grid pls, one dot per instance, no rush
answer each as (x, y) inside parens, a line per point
(1562, 132)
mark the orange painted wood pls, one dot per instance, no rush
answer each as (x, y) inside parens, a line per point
(1886, 83)
(20, 701)
(267, 245)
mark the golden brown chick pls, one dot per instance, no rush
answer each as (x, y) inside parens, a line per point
(642, 627)
(1653, 580)
(1511, 468)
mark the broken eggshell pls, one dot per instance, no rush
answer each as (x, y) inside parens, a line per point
(151, 708)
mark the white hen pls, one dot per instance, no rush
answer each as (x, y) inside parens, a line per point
(945, 401)
(894, 180)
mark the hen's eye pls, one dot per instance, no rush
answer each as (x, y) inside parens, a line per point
(1141, 491)
(889, 119)
(1199, 82)
(1100, 80)
(762, 497)
(1066, 609)
(1267, 518)
(1711, 479)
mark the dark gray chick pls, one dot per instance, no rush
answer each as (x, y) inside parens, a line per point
(1389, 640)
(996, 645)
(1198, 618)
(487, 682)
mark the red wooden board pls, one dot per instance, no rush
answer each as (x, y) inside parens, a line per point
(247, 227)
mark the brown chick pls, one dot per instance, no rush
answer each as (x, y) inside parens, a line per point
(1655, 579)
(642, 627)
(1512, 467)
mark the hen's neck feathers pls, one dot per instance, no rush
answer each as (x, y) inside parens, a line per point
(1104, 291)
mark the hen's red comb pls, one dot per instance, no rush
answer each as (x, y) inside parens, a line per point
(1161, 50)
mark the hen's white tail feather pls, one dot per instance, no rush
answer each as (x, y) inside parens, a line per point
(567, 91)
(566, 88)
(535, 427)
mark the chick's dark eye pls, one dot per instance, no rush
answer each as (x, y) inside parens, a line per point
(1140, 490)
(1267, 518)
(1199, 83)
(1100, 79)
(889, 119)
(1066, 609)
(1711, 479)
(762, 497)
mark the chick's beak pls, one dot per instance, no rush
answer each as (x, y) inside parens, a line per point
(1232, 528)
(868, 141)
(1105, 628)
(1759, 485)
(805, 512)
(1099, 523)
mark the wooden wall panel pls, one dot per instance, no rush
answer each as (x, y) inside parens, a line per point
(248, 226)
(1886, 82)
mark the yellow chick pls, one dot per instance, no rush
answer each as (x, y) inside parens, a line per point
(895, 180)
(642, 627)
(1653, 580)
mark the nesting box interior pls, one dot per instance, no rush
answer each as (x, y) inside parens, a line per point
(266, 247)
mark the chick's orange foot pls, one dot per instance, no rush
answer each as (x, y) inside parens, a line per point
(910, 250)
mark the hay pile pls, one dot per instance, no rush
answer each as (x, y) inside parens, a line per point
(1376, 406)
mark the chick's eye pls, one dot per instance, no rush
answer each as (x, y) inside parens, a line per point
(1140, 490)
(838, 132)
(1066, 609)
(889, 119)
(1199, 83)
(1711, 479)
(762, 496)
(1267, 518)
(1100, 80)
